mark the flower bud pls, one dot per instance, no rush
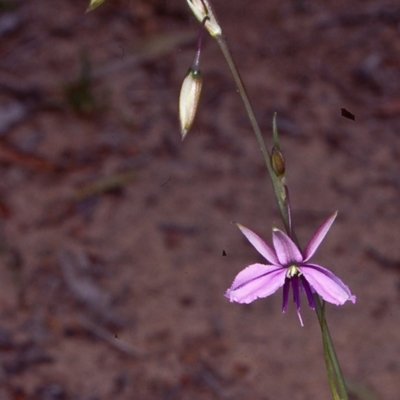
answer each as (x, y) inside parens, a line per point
(189, 99)
(277, 162)
(202, 9)
(94, 4)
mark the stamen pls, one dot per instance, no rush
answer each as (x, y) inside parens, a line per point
(300, 319)
(296, 296)
(292, 271)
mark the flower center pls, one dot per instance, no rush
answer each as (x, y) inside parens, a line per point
(292, 270)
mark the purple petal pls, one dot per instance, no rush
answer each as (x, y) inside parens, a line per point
(286, 288)
(318, 237)
(255, 281)
(308, 291)
(259, 245)
(296, 291)
(286, 251)
(327, 284)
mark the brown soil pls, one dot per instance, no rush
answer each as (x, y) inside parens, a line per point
(113, 230)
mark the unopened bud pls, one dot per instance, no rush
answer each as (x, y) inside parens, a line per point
(94, 4)
(189, 99)
(277, 162)
(202, 9)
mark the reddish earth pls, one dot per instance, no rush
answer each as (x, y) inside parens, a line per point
(112, 229)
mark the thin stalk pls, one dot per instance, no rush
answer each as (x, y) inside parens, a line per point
(329, 349)
(327, 357)
(331, 380)
(253, 121)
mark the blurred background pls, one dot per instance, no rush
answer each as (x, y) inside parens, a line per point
(116, 237)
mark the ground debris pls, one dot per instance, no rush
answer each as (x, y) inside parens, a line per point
(104, 184)
(10, 114)
(24, 357)
(9, 154)
(84, 289)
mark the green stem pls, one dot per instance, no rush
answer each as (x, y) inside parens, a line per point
(249, 110)
(329, 351)
(327, 357)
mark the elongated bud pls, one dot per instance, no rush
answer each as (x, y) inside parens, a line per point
(202, 9)
(189, 99)
(277, 162)
(94, 4)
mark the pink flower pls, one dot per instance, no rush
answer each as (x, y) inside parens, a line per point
(287, 265)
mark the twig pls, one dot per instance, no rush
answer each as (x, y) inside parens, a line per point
(103, 334)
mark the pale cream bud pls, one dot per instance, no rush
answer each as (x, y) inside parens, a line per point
(189, 99)
(202, 9)
(94, 4)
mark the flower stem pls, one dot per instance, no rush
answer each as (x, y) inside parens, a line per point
(253, 121)
(332, 364)
(335, 375)
(330, 354)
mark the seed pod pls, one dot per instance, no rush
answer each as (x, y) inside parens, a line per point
(202, 9)
(277, 162)
(189, 99)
